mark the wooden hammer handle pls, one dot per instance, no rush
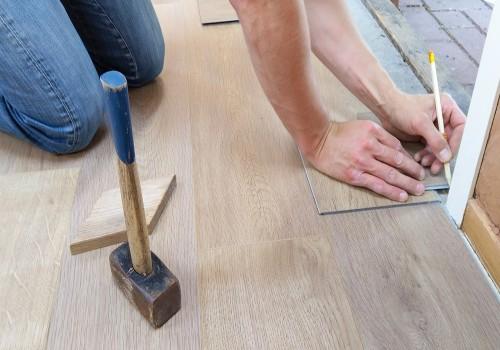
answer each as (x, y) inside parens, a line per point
(118, 111)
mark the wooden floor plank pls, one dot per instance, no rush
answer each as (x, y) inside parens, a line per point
(330, 195)
(394, 278)
(91, 313)
(216, 11)
(35, 219)
(249, 182)
(275, 295)
(411, 282)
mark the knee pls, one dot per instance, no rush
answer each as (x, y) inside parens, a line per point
(70, 132)
(149, 61)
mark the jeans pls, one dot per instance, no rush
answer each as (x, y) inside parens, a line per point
(51, 52)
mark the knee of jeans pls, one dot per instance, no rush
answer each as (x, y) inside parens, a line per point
(76, 133)
(149, 63)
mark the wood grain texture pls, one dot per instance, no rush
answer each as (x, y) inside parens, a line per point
(105, 225)
(160, 117)
(411, 282)
(484, 236)
(35, 219)
(249, 182)
(241, 185)
(487, 189)
(216, 11)
(332, 196)
(285, 294)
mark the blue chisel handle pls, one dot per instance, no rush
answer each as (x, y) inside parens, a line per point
(118, 110)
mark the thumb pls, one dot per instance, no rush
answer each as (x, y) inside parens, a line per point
(435, 141)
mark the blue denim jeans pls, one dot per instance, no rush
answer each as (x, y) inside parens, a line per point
(51, 52)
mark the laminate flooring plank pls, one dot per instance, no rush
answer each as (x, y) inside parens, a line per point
(21, 156)
(216, 11)
(91, 312)
(285, 294)
(34, 221)
(411, 281)
(332, 196)
(249, 182)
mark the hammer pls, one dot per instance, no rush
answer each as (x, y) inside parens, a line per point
(140, 274)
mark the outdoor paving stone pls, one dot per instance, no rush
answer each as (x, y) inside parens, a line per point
(424, 24)
(471, 39)
(480, 17)
(453, 19)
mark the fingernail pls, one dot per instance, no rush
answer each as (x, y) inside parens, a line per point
(420, 189)
(417, 157)
(422, 174)
(445, 155)
(403, 196)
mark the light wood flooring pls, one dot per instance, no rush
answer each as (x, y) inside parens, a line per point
(258, 267)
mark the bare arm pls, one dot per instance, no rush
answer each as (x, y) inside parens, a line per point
(277, 36)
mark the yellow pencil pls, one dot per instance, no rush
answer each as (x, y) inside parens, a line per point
(439, 111)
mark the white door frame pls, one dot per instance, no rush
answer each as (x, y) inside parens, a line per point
(479, 119)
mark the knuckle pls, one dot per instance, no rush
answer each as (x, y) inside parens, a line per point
(368, 144)
(415, 124)
(398, 158)
(359, 161)
(352, 175)
(371, 126)
(391, 175)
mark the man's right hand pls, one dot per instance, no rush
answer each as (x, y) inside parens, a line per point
(362, 153)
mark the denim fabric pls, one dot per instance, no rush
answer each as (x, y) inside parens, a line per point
(50, 55)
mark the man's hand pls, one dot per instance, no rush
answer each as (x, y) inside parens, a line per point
(413, 117)
(362, 153)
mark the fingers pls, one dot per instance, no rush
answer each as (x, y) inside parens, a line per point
(435, 140)
(393, 177)
(401, 161)
(381, 187)
(387, 139)
(436, 167)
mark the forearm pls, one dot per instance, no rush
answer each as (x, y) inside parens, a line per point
(338, 45)
(278, 40)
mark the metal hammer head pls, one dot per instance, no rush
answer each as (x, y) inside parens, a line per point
(157, 295)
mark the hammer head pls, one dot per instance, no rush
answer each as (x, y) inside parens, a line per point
(157, 296)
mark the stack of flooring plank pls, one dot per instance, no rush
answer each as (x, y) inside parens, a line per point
(258, 267)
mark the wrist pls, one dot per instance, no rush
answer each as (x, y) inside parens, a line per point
(310, 141)
(393, 102)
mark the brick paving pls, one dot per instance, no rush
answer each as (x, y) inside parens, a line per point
(454, 29)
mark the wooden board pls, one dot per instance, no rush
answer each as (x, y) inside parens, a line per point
(91, 313)
(216, 11)
(285, 294)
(487, 189)
(405, 285)
(331, 196)
(484, 236)
(241, 185)
(246, 166)
(105, 225)
(35, 219)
